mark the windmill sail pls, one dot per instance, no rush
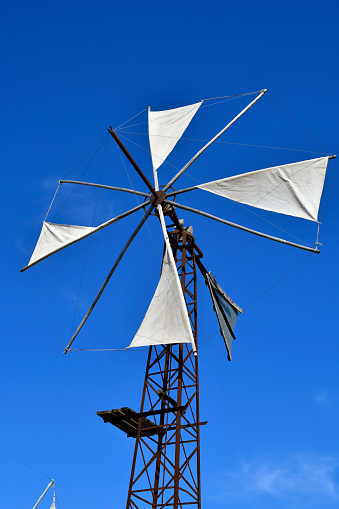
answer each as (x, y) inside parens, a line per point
(165, 321)
(53, 504)
(226, 310)
(293, 189)
(54, 237)
(165, 128)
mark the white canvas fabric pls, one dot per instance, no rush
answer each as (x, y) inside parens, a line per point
(53, 504)
(165, 128)
(293, 189)
(226, 311)
(54, 237)
(165, 322)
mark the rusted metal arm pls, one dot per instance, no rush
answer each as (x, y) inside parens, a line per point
(128, 243)
(131, 160)
(102, 186)
(249, 230)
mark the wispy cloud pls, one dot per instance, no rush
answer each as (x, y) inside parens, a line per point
(322, 397)
(50, 183)
(295, 478)
(295, 475)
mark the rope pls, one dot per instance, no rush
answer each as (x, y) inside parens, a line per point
(49, 208)
(213, 335)
(119, 129)
(279, 280)
(100, 349)
(228, 143)
(156, 247)
(218, 331)
(133, 125)
(137, 199)
(131, 183)
(323, 204)
(82, 160)
(56, 496)
(36, 493)
(219, 102)
(50, 321)
(70, 194)
(260, 296)
(146, 150)
(325, 192)
(137, 115)
(272, 224)
(251, 211)
(164, 161)
(201, 100)
(88, 243)
(303, 128)
(38, 235)
(234, 95)
(267, 146)
(258, 146)
(26, 465)
(317, 239)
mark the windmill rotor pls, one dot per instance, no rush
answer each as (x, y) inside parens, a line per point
(167, 427)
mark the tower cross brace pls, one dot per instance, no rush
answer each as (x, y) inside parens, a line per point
(166, 462)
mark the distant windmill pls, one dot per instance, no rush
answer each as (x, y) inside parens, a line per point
(166, 462)
(50, 485)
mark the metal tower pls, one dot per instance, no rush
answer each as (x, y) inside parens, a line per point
(166, 462)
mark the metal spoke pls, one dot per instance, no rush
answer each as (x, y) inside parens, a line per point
(249, 230)
(128, 243)
(102, 186)
(194, 158)
(98, 228)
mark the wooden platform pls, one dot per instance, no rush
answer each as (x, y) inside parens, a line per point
(127, 420)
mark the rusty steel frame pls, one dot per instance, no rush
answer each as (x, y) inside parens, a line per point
(166, 466)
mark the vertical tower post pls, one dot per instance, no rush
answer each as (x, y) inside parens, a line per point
(166, 463)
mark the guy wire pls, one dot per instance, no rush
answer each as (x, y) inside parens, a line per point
(89, 240)
(251, 211)
(260, 296)
(43, 307)
(82, 160)
(92, 157)
(299, 124)
(30, 498)
(26, 465)
(135, 116)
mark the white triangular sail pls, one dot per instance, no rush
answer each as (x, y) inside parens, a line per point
(54, 237)
(165, 128)
(165, 321)
(293, 189)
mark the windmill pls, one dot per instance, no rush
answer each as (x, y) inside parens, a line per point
(166, 463)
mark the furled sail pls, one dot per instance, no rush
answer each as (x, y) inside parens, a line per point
(226, 310)
(53, 504)
(54, 237)
(293, 189)
(165, 321)
(165, 128)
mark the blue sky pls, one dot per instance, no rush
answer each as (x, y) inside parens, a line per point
(69, 70)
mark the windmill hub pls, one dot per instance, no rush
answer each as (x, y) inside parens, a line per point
(159, 198)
